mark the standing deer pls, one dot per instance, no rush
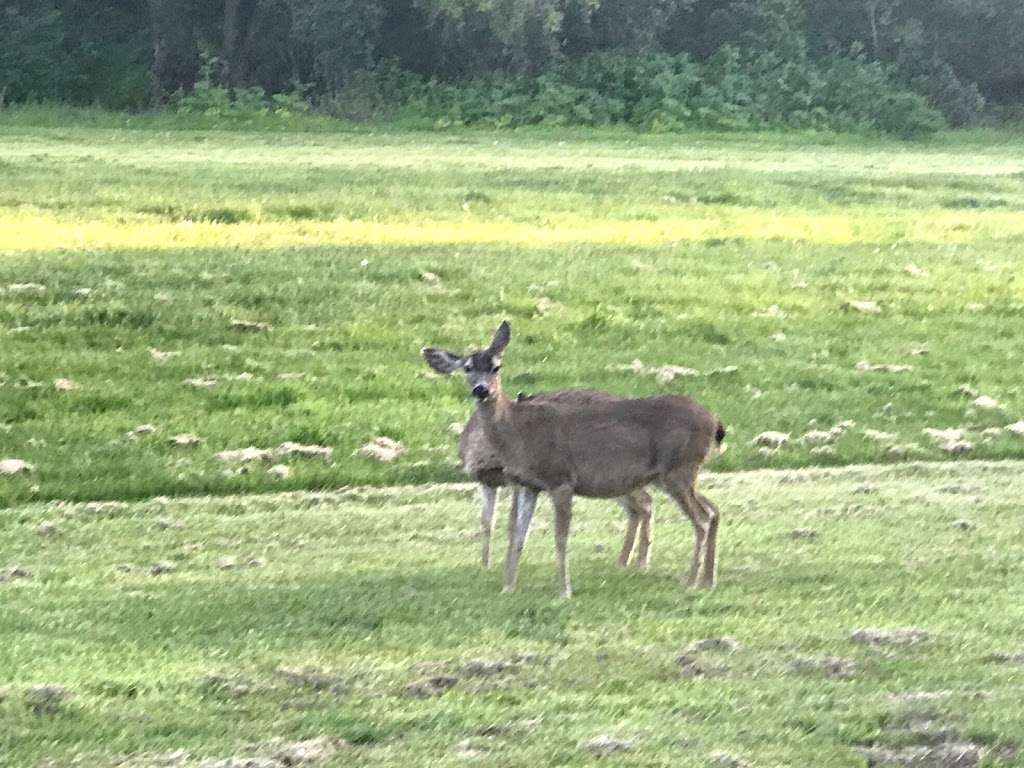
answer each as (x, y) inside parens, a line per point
(481, 461)
(603, 449)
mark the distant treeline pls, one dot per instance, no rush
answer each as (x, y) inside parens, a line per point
(893, 65)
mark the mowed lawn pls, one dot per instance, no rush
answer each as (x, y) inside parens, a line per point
(252, 288)
(220, 632)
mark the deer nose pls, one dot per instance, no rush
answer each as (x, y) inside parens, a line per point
(480, 392)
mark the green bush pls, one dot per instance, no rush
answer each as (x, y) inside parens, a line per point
(732, 90)
(660, 92)
(212, 100)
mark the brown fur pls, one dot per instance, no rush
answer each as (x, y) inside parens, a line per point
(600, 448)
(608, 449)
(482, 462)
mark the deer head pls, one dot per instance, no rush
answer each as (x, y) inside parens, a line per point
(481, 368)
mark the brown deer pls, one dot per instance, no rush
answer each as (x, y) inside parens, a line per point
(481, 462)
(603, 449)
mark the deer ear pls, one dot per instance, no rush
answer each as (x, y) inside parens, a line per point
(441, 360)
(501, 339)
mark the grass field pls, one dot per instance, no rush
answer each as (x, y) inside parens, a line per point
(127, 253)
(339, 601)
(255, 287)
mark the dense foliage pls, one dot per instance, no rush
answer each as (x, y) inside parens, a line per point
(901, 66)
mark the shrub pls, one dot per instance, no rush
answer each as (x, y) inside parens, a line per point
(212, 100)
(731, 90)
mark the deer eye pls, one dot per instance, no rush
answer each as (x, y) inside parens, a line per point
(495, 369)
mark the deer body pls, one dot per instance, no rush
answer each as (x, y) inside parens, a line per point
(602, 448)
(483, 462)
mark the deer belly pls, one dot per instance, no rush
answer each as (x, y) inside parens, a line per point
(611, 481)
(612, 486)
(610, 473)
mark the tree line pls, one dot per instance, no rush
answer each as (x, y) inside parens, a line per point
(647, 62)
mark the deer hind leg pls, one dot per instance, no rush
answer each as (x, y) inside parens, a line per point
(680, 487)
(562, 500)
(710, 564)
(638, 508)
(488, 498)
(643, 552)
(632, 522)
(519, 528)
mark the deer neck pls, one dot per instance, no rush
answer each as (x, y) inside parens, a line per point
(499, 422)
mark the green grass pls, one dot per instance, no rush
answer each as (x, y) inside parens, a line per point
(374, 589)
(149, 235)
(599, 247)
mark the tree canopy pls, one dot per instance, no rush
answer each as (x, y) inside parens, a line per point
(123, 54)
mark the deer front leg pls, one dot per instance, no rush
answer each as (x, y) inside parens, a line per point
(488, 498)
(562, 500)
(525, 501)
(681, 491)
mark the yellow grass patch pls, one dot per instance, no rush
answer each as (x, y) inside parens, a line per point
(27, 232)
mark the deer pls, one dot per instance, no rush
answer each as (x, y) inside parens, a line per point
(480, 460)
(600, 449)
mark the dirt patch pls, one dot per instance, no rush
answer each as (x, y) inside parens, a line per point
(143, 429)
(965, 755)
(922, 728)
(830, 666)
(287, 449)
(866, 366)
(877, 638)
(865, 307)
(245, 455)
(724, 644)
(313, 679)
(429, 687)
(919, 738)
(253, 326)
(488, 667)
(1014, 659)
(774, 440)
(46, 699)
(692, 667)
(309, 751)
(725, 760)
(185, 440)
(284, 754)
(227, 686)
(806, 534)
(511, 728)
(15, 467)
(14, 572)
(605, 745)
(382, 449)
